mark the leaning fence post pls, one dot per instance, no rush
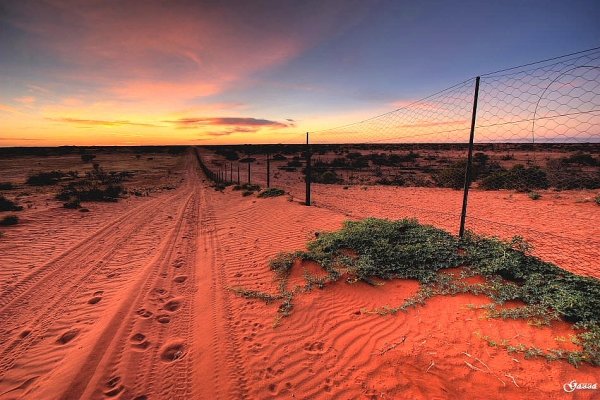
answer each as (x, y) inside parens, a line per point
(268, 171)
(463, 214)
(308, 171)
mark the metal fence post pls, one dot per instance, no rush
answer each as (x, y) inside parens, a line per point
(268, 171)
(230, 172)
(308, 171)
(249, 173)
(468, 171)
(239, 182)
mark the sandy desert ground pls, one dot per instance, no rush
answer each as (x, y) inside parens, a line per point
(132, 300)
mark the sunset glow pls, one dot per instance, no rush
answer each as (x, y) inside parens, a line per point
(182, 72)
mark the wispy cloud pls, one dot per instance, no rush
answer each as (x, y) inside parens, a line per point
(16, 139)
(9, 109)
(172, 53)
(97, 122)
(27, 100)
(231, 131)
(256, 123)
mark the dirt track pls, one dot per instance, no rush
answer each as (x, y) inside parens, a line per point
(139, 308)
(118, 299)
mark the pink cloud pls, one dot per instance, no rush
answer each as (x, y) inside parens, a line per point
(9, 109)
(28, 100)
(177, 50)
(96, 122)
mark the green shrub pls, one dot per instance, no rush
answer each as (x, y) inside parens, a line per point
(376, 248)
(597, 199)
(495, 181)
(396, 180)
(97, 185)
(271, 192)
(9, 205)
(519, 178)
(90, 192)
(45, 178)
(6, 186)
(220, 186)
(534, 195)
(72, 204)
(327, 177)
(580, 158)
(452, 176)
(247, 186)
(569, 176)
(9, 220)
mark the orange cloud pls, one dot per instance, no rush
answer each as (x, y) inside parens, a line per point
(26, 100)
(95, 122)
(9, 109)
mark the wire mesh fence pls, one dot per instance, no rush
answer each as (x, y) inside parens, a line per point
(532, 166)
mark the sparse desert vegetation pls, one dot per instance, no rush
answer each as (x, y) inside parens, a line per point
(9, 220)
(411, 284)
(374, 249)
(9, 205)
(271, 192)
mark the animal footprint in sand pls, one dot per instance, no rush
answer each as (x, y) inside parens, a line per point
(142, 312)
(67, 336)
(96, 297)
(139, 341)
(163, 319)
(173, 352)
(172, 305)
(113, 387)
(180, 279)
(314, 348)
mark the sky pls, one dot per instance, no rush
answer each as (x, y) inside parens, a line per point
(145, 72)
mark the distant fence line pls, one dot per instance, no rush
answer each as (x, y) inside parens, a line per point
(551, 104)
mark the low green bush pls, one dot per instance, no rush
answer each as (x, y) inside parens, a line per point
(9, 205)
(384, 249)
(271, 192)
(248, 187)
(519, 178)
(72, 204)
(96, 185)
(534, 195)
(45, 178)
(9, 220)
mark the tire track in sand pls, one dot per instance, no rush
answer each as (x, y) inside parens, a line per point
(53, 293)
(146, 347)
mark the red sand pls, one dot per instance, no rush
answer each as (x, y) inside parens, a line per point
(131, 301)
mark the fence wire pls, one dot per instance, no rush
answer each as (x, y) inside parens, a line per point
(535, 168)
